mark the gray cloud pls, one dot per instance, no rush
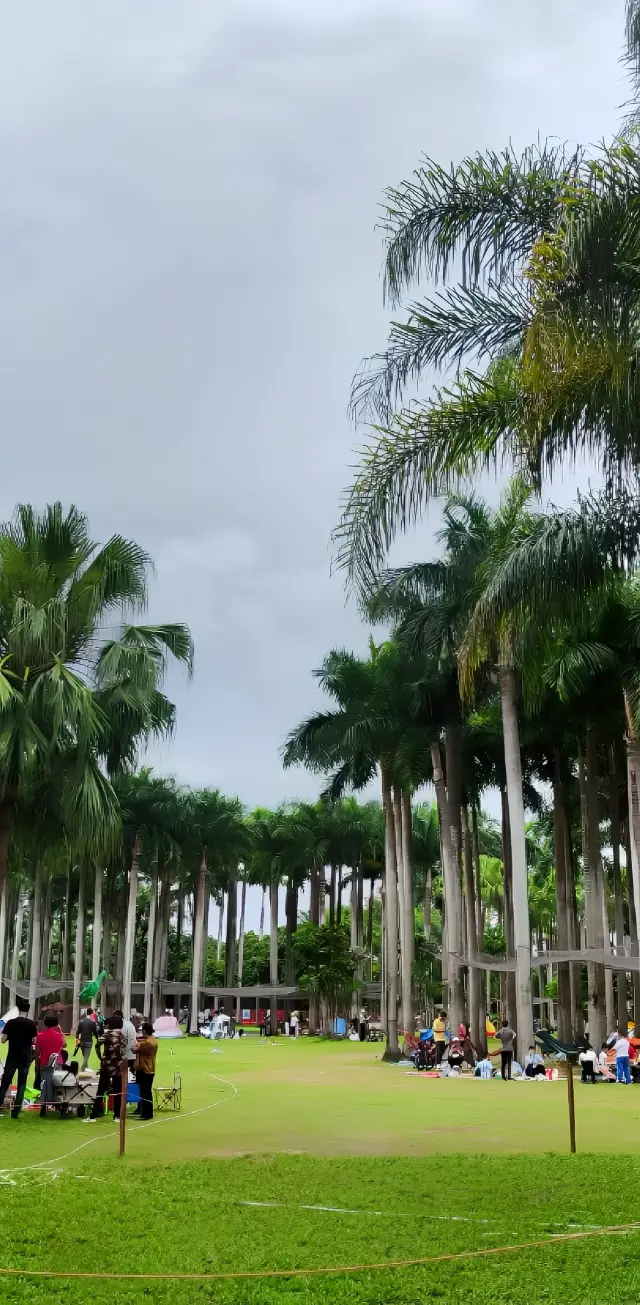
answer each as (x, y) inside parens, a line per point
(190, 275)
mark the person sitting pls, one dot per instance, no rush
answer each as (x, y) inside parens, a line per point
(484, 1068)
(588, 1061)
(455, 1056)
(534, 1064)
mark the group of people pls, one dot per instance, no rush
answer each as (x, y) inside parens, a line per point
(438, 1050)
(117, 1042)
(618, 1048)
(449, 1054)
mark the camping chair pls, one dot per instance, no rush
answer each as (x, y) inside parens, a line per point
(169, 1098)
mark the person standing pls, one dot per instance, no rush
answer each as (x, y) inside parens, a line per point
(20, 1034)
(146, 1052)
(622, 1050)
(110, 1080)
(440, 1035)
(293, 1023)
(49, 1044)
(506, 1037)
(130, 1039)
(85, 1033)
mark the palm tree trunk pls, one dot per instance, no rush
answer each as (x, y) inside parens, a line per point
(7, 821)
(475, 847)
(521, 929)
(46, 931)
(616, 839)
(563, 905)
(198, 936)
(427, 904)
(17, 947)
(130, 935)
(220, 930)
(151, 933)
(66, 945)
(509, 984)
(633, 791)
(179, 932)
(332, 895)
(26, 973)
(593, 911)
(391, 921)
(291, 912)
(243, 902)
(261, 925)
(96, 944)
(3, 938)
(230, 938)
(273, 954)
(339, 897)
(106, 943)
(161, 931)
(408, 954)
(36, 937)
(314, 896)
(478, 1026)
(78, 963)
(452, 897)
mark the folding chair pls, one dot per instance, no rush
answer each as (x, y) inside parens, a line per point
(169, 1098)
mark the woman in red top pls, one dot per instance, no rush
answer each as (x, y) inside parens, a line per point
(49, 1042)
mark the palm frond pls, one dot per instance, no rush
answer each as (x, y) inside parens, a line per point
(426, 452)
(461, 321)
(488, 210)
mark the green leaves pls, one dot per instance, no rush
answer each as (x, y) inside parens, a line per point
(71, 700)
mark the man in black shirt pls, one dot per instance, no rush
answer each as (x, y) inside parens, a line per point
(19, 1033)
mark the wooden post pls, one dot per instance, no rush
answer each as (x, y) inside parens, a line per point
(124, 1085)
(572, 1104)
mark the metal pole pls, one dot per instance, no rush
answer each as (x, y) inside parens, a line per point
(572, 1104)
(124, 1085)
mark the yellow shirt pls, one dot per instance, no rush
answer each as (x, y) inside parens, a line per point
(439, 1028)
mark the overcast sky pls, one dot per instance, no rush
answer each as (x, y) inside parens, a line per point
(190, 275)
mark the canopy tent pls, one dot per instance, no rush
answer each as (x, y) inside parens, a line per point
(166, 1026)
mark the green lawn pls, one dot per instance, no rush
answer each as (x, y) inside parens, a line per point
(415, 1167)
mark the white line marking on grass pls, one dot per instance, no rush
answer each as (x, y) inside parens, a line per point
(42, 1165)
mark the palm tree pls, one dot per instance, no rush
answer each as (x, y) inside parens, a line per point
(215, 842)
(70, 699)
(547, 245)
(357, 740)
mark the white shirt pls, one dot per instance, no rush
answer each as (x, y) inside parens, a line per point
(130, 1036)
(533, 1058)
(587, 1057)
(602, 1058)
(622, 1048)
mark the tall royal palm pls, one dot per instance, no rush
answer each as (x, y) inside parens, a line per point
(548, 304)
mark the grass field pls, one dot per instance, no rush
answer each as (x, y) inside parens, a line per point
(411, 1167)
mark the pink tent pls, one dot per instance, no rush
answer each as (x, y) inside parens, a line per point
(166, 1026)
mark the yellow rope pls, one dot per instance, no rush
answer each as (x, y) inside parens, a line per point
(314, 1272)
